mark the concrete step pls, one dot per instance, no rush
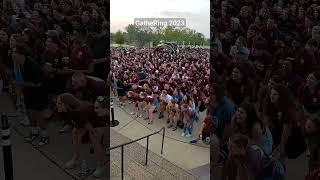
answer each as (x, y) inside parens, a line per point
(134, 162)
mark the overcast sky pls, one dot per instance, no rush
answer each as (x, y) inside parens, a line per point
(196, 12)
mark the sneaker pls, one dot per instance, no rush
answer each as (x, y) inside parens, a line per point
(31, 138)
(183, 134)
(140, 116)
(43, 141)
(99, 172)
(132, 113)
(188, 135)
(174, 129)
(66, 128)
(25, 121)
(169, 126)
(193, 141)
(72, 164)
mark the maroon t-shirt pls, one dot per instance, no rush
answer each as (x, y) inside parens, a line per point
(94, 88)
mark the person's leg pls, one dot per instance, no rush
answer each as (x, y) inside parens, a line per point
(77, 135)
(162, 109)
(185, 126)
(175, 122)
(43, 124)
(189, 129)
(34, 128)
(152, 108)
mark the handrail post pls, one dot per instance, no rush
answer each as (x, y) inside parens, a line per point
(122, 170)
(147, 150)
(6, 146)
(164, 129)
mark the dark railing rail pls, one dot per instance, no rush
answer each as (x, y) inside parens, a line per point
(147, 148)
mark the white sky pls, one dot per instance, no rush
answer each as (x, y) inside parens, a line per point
(196, 12)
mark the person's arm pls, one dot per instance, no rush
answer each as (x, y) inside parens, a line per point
(242, 173)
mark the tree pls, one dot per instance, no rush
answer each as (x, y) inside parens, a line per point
(119, 37)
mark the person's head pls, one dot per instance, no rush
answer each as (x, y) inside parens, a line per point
(85, 17)
(67, 102)
(38, 7)
(312, 45)
(164, 92)
(59, 29)
(275, 80)
(4, 36)
(246, 114)
(237, 145)
(258, 21)
(312, 126)
(47, 9)
(14, 39)
(57, 14)
(78, 80)
(241, 42)
(19, 53)
(270, 23)
(235, 22)
(316, 13)
(242, 54)
(316, 33)
(284, 15)
(244, 12)
(101, 106)
(67, 5)
(313, 79)
(95, 14)
(281, 96)
(287, 65)
(301, 12)
(52, 43)
(35, 18)
(252, 31)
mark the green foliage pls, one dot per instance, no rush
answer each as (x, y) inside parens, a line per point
(119, 37)
(141, 37)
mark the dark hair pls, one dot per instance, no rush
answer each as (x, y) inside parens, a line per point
(286, 98)
(21, 48)
(240, 140)
(251, 113)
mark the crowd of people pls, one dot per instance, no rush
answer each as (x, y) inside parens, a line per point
(53, 62)
(174, 84)
(265, 100)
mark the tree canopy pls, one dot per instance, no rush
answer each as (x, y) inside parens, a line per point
(141, 37)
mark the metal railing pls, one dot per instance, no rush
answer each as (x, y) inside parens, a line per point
(124, 144)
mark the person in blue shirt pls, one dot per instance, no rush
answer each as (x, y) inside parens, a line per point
(177, 95)
(222, 111)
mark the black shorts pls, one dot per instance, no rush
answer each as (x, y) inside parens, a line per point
(36, 98)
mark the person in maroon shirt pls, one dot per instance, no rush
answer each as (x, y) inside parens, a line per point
(80, 57)
(82, 115)
(239, 87)
(309, 95)
(87, 88)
